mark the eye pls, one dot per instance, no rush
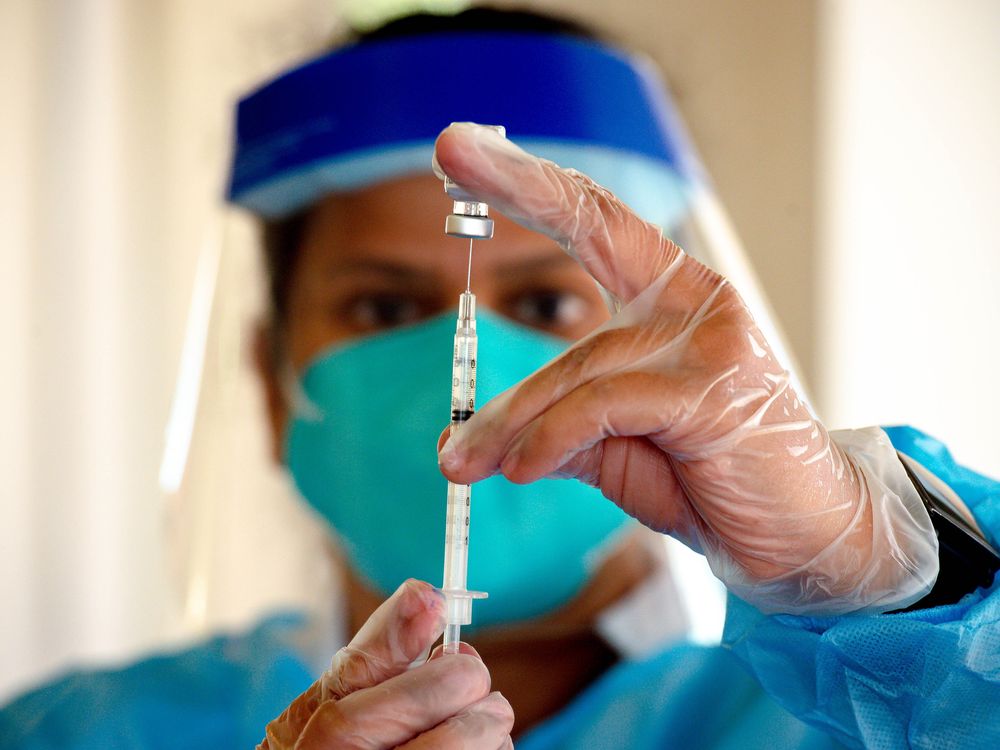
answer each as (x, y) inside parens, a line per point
(375, 312)
(549, 309)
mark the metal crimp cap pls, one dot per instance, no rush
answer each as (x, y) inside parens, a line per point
(469, 217)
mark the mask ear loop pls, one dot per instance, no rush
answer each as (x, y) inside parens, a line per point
(290, 383)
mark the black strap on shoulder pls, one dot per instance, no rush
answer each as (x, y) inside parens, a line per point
(968, 562)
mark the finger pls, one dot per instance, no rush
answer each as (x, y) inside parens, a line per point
(638, 477)
(621, 251)
(624, 405)
(397, 633)
(400, 708)
(598, 434)
(283, 732)
(463, 648)
(402, 628)
(475, 450)
(485, 724)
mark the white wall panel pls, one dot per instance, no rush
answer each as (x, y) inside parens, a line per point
(910, 183)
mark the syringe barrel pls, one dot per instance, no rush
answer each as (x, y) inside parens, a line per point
(456, 552)
(463, 406)
(463, 371)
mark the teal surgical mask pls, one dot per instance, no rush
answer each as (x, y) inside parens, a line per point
(362, 449)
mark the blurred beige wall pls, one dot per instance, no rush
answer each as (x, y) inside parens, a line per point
(744, 78)
(910, 253)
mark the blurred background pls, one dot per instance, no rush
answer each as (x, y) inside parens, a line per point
(854, 144)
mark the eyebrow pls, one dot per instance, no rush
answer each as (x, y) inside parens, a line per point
(410, 274)
(398, 271)
(533, 266)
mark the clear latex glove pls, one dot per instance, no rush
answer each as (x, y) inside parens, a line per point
(679, 411)
(373, 697)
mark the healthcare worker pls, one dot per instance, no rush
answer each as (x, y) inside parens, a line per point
(850, 623)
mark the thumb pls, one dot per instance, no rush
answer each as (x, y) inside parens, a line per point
(402, 629)
(623, 253)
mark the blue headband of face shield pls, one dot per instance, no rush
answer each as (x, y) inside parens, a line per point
(371, 111)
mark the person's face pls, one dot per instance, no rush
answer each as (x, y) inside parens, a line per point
(378, 258)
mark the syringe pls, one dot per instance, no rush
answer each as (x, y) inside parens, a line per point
(469, 219)
(456, 539)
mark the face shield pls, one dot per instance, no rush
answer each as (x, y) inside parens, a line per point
(369, 113)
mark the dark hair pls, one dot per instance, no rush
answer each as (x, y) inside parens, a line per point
(282, 238)
(476, 19)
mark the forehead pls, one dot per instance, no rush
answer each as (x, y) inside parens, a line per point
(402, 220)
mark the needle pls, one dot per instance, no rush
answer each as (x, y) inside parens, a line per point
(468, 278)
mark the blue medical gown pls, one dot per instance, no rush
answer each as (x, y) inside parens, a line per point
(923, 679)
(219, 694)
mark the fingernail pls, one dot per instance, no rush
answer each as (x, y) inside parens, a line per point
(436, 599)
(432, 596)
(438, 172)
(488, 140)
(475, 127)
(425, 597)
(448, 457)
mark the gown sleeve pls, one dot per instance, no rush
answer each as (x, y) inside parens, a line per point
(925, 678)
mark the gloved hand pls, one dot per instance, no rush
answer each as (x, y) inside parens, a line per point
(371, 698)
(678, 410)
